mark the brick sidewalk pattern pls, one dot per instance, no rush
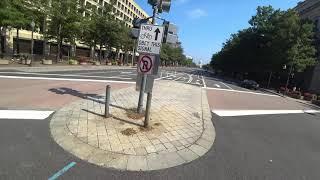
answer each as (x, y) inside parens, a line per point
(181, 128)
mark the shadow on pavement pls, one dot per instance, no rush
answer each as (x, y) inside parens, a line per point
(69, 91)
(114, 117)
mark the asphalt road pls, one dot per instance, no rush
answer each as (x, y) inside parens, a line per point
(248, 147)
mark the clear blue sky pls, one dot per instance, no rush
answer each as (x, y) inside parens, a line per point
(205, 24)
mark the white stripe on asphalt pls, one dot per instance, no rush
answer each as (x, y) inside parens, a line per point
(103, 72)
(65, 79)
(226, 85)
(126, 72)
(230, 113)
(217, 85)
(177, 79)
(203, 82)
(190, 78)
(24, 114)
(67, 75)
(247, 92)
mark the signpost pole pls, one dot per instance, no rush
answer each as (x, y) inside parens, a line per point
(149, 97)
(142, 88)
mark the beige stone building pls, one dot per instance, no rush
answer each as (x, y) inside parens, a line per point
(124, 10)
(310, 9)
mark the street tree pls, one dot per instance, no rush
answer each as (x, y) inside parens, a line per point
(64, 24)
(274, 38)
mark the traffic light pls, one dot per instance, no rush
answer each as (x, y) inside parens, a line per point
(164, 6)
(153, 2)
(137, 22)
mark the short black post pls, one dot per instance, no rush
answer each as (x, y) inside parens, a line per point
(107, 102)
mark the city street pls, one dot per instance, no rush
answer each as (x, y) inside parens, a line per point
(258, 135)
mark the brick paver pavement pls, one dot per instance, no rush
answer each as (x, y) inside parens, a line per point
(181, 128)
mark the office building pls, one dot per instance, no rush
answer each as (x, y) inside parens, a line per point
(124, 10)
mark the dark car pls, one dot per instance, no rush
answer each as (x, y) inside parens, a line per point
(250, 84)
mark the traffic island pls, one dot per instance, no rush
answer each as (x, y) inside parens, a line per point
(180, 128)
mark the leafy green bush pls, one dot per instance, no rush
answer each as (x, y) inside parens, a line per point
(72, 62)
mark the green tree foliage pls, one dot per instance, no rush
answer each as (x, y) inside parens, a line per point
(100, 29)
(65, 22)
(173, 55)
(14, 13)
(275, 38)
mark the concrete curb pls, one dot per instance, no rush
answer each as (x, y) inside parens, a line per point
(152, 161)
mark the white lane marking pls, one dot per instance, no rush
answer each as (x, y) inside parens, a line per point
(126, 72)
(177, 79)
(190, 78)
(66, 79)
(226, 85)
(217, 85)
(203, 82)
(164, 77)
(67, 75)
(24, 114)
(228, 113)
(248, 92)
(100, 72)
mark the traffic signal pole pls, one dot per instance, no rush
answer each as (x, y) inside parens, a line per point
(149, 96)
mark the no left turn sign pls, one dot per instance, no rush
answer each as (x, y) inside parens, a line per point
(145, 64)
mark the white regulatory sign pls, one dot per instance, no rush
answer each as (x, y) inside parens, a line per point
(145, 64)
(150, 39)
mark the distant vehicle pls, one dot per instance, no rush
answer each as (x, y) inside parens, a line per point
(250, 84)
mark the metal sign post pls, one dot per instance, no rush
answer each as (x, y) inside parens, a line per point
(149, 45)
(145, 66)
(149, 42)
(149, 97)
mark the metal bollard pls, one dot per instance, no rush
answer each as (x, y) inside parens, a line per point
(148, 107)
(107, 102)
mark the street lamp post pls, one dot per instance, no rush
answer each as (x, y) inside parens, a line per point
(32, 42)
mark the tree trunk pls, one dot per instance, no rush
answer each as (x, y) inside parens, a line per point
(18, 43)
(1, 41)
(4, 31)
(100, 53)
(269, 80)
(59, 42)
(45, 45)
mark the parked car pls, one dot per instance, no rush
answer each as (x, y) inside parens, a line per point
(249, 84)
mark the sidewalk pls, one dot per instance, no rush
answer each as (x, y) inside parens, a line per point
(181, 128)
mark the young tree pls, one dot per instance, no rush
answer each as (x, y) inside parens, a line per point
(65, 22)
(12, 14)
